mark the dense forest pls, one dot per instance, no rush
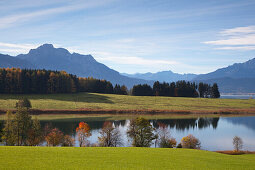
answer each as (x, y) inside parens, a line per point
(26, 81)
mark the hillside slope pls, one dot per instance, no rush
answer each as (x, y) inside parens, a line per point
(119, 158)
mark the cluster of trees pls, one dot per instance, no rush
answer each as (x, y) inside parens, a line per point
(207, 91)
(21, 130)
(20, 81)
(15, 80)
(177, 89)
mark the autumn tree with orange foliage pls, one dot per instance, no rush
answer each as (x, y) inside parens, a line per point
(55, 137)
(83, 132)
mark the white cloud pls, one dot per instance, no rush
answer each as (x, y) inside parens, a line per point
(235, 40)
(238, 30)
(239, 38)
(21, 46)
(245, 48)
(132, 60)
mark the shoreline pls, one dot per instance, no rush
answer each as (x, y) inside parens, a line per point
(134, 111)
(57, 114)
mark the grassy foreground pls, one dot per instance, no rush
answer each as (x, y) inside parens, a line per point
(119, 158)
(123, 102)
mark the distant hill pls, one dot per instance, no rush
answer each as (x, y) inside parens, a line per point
(233, 85)
(167, 76)
(236, 78)
(235, 71)
(50, 58)
(9, 61)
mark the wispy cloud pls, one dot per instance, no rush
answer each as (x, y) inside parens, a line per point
(131, 60)
(239, 38)
(14, 49)
(238, 30)
(10, 20)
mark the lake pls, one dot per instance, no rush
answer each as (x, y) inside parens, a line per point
(214, 133)
(244, 96)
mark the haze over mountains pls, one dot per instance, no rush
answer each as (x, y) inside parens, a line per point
(167, 76)
(237, 78)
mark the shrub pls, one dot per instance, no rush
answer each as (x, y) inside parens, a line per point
(55, 137)
(68, 141)
(190, 142)
(165, 140)
(24, 103)
(179, 145)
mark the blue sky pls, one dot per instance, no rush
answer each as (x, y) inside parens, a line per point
(185, 36)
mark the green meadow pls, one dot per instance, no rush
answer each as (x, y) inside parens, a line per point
(124, 102)
(119, 158)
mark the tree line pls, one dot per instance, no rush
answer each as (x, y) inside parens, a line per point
(29, 81)
(177, 89)
(26, 81)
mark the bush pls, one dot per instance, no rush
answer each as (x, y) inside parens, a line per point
(190, 142)
(55, 137)
(24, 103)
(68, 141)
(168, 143)
(165, 140)
(179, 145)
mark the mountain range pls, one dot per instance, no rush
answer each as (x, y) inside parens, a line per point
(50, 58)
(167, 76)
(237, 78)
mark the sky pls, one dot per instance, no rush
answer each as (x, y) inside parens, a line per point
(135, 36)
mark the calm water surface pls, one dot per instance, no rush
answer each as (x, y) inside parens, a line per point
(214, 133)
(237, 96)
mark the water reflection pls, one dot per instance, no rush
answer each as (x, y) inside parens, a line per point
(214, 133)
(248, 122)
(186, 124)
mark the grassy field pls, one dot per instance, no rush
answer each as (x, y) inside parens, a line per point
(119, 158)
(121, 102)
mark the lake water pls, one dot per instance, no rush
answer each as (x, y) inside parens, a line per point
(214, 133)
(224, 96)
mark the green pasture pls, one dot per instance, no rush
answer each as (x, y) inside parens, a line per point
(124, 102)
(119, 158)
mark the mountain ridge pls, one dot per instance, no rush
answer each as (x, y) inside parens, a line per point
(167, 76)
(235, 78)
(48, 57)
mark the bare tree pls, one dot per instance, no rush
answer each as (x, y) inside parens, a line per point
(110, 136)
(165, 139)
(238, 143)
